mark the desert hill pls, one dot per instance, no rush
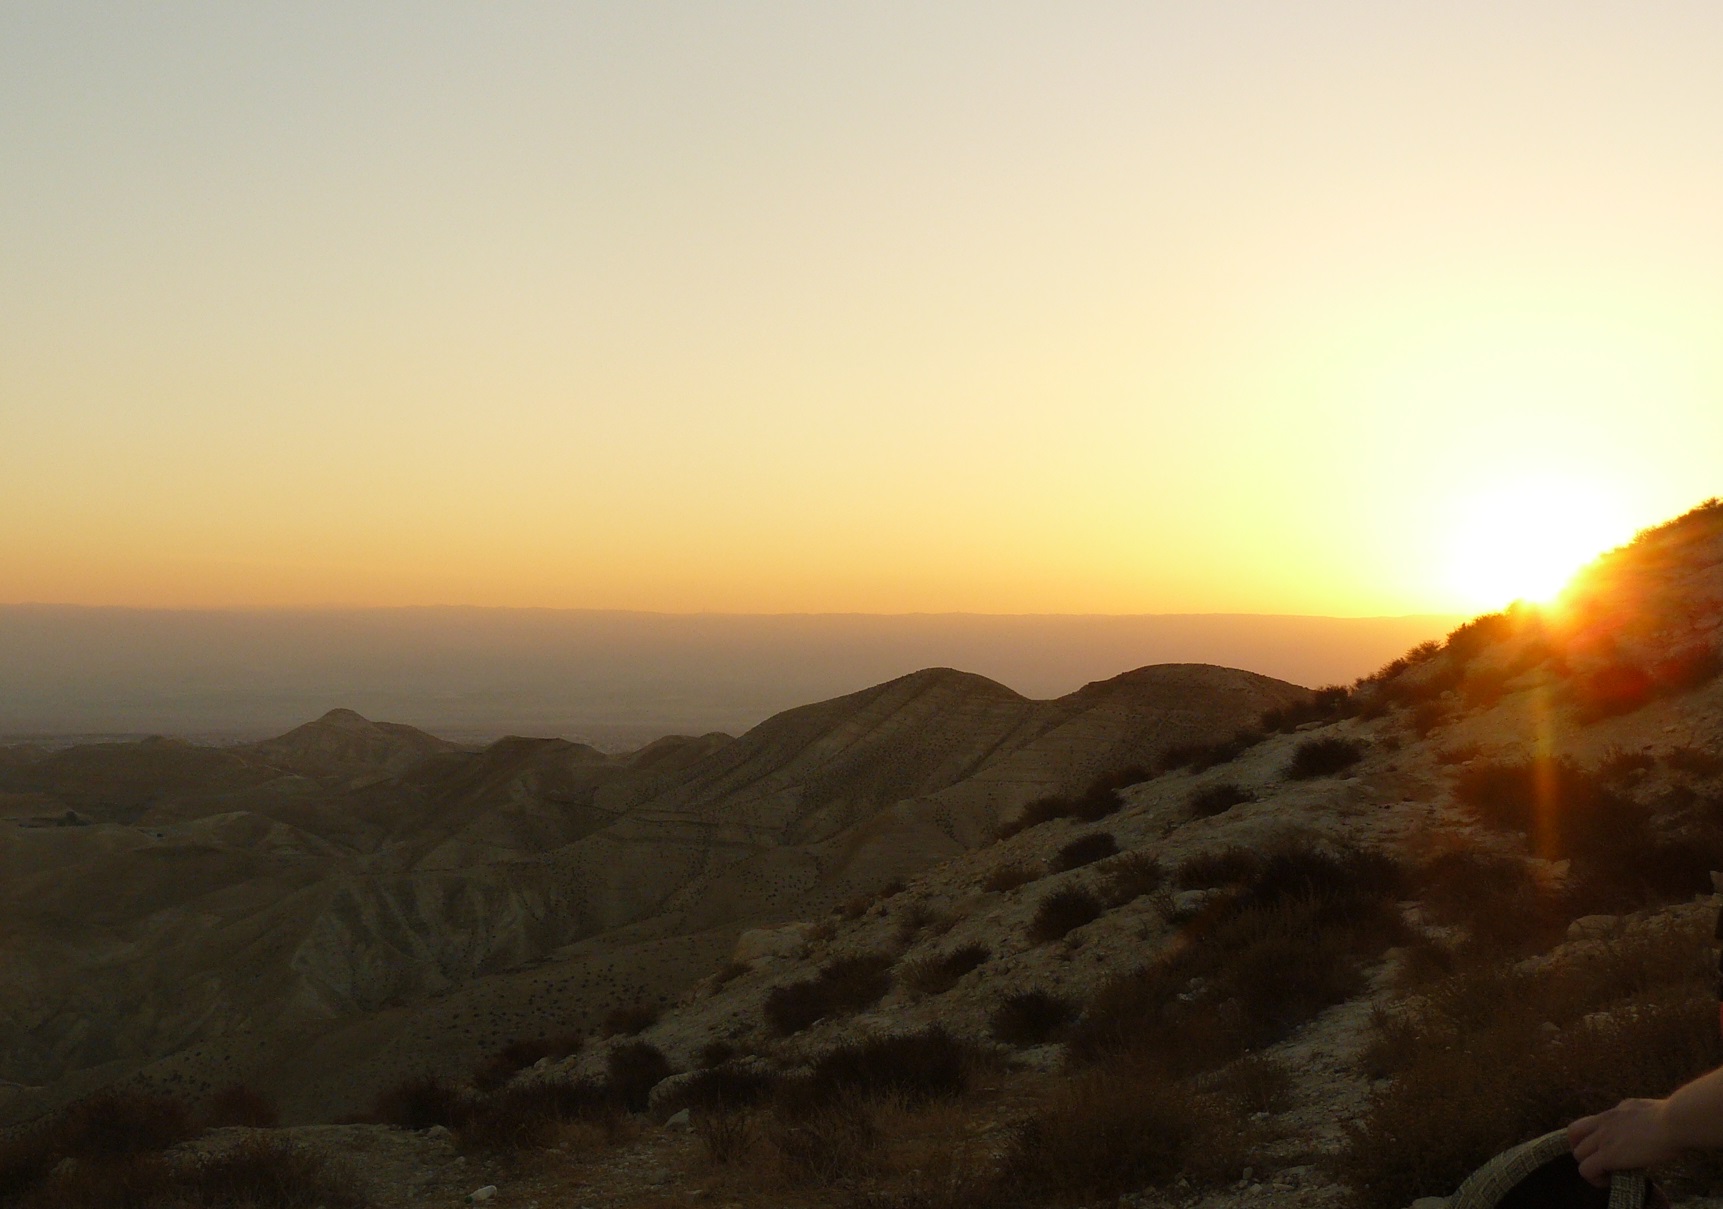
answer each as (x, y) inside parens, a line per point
(320, 912)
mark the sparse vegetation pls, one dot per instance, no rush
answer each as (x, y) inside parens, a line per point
(1500, 1052)
(238, 1104)
(1323, 757)
(938, 973)
(1129, 876)
(1031, 1017)
(634, 1068)
(1211, 800)
(1063, 911)
(1261, 959)
(518, 1055)
(421, 1102)
(1085, 850)
(1118, 1129)
(1007, 878)
(919, 1065)
(628, 1021)
(1199, 757)
(1101, 799)
(845, 985)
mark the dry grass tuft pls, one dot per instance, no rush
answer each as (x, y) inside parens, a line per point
(1501, 1052)
(1129, 876)
(1085, 850)
(1218, 799)
(845, 985)
(937, 974)
(912, 1066)
(1063, 911)
(1032, 1017)
(1007, 878)
(1323, 757)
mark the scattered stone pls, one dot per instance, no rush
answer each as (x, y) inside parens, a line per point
(479, 1196)
(679, 1120)
(439, 1133)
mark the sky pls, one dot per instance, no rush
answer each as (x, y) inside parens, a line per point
(1331, 308)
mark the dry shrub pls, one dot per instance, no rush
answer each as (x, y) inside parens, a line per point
(861, 904)
(528, 1115)
(627, 1021)
(1621, 857)
(1501, 1053)
(1323, 757)
(1694, 761)
(1009, 877)
(1254, 964)
(725, 1087)
(1619, 768)
(715, 1053)
(1062, 911)
(935, 975)
(1496, 898)
(634, 1069)
(419, 1103)
(727, 1137)
(913, 1066)
(257, 1174)
(112, 1136)
(728, 973)
(1227, 867)
(845, 985)
(1218, 799)
(1032, 1017)
(1326, 704)
(1198, 757)
(1118, 1129)
(518, 1055)
(1035, 813)
(1085, 850)
(823, 1142)
(116, 1142)
(919, 914)
(1128, 877)
(1255, 1083)
(241, 1105)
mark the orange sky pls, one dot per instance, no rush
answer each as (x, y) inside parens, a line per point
(1330, 308)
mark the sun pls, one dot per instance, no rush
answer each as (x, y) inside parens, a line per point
(1524, 540)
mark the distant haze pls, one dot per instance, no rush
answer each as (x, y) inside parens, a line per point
(611, 678)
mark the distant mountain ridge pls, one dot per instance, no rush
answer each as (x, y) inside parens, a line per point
(362, 892)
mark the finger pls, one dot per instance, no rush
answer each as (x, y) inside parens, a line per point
(1580, 1130)
(1594, 1172)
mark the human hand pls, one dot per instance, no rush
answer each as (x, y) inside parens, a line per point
(1631, 1135)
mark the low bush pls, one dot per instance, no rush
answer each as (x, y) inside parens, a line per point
(726, 1137)
(1035, 813)
(241, 1105)
(920, 1065)
(518, 1055)
(1255, 1083)
(1621, 858)
(1032, 1017)
(259, 1173)
(1478, 635)
(1226, 867)
(1110, 1131)
(715, 1053)
(1009, 877)
(419, 1103)
(529, 1114)
(1323, 757)
(1495, 898)
(1611, 690)
(1326, 704)
(726, 1087)
(1207, 802)
(845, 985)
(1129, 876)
(627, 1021)
(1084, 850)
(1688, 669)
(1503, 1052)
(1199, 757)
(937, 974)
(1694, 761)
(634, 1069)
(1101, 799)
(822, 1143)
(1062, 911)
(1257, 962)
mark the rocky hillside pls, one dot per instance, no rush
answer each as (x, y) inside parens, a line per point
(321, 913)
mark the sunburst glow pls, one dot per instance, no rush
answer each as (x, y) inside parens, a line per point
(1525, 540)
